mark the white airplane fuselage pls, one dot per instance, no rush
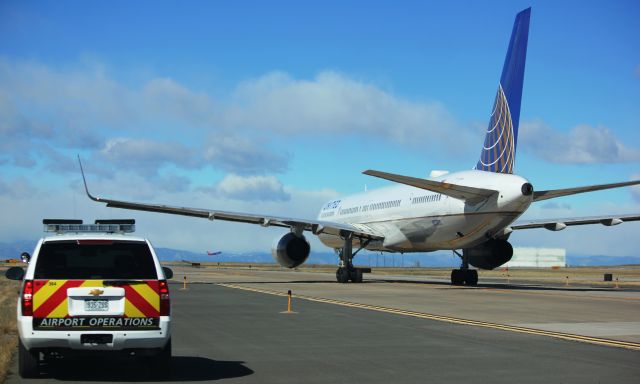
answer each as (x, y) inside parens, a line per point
(416, 220)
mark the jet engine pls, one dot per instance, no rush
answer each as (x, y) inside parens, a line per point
(290, 250)
(489, 255)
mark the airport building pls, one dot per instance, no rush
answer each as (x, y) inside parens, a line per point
(538, 258)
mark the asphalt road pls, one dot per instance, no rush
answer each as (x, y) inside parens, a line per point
(230, 335)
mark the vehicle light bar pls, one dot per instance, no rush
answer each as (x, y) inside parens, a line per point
(115, 221)
(101, 226)
(61, 221)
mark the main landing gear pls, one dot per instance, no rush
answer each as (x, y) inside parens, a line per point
(344, 274)
(346, 271)
(464, 275)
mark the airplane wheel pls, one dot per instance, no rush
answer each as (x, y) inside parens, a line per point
(342, 275)
(457, 277)
(471, 277)
(356, 275)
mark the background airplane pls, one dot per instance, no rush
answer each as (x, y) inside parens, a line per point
(472, 211)
(214, 253)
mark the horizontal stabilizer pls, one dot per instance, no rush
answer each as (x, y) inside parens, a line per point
(551, 194)
(461, 192)
(560, 224)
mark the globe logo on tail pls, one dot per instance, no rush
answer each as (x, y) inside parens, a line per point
(498, 152)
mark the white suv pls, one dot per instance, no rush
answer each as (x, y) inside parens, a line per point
(89, 289)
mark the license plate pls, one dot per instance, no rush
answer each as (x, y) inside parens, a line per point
(96, 305)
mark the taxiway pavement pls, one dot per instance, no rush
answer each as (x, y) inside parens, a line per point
(588, 311)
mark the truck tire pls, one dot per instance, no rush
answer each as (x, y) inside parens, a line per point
(160, 365)
(27, 361)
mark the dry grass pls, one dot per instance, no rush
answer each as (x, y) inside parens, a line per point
(8, 331)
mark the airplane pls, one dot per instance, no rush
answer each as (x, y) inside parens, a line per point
(472, 211)
(213, 253)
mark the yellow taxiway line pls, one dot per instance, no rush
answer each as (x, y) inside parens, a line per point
(453, 320)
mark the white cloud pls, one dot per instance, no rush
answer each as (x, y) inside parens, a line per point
(242, 156)
(83, 107)
(145, 155)
(59, 162)
(333, 103)
(17, 188)
(82, 95)
(583, 144)
(252, 188)
(13, 123)
(87, 96)
(166, 97)
(18, 133)
(74, 107)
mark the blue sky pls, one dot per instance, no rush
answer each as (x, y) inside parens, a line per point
(276, 107)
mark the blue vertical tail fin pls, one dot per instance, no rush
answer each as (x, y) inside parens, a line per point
(499, 150)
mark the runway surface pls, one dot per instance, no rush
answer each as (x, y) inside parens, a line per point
(231, 334)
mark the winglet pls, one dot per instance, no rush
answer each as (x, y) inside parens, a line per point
(85, 182)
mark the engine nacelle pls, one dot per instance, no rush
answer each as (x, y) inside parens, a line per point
(489, 255)
(290, 250)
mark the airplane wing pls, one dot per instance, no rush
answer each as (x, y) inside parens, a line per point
(315, 226)
(461, 192)
(550, 194)
(562, 223)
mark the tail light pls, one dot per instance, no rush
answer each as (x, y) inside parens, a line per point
(27, 298)
(165, 301)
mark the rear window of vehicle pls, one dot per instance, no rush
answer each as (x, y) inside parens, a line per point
(91, 259)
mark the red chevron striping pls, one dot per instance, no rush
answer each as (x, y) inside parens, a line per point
(37, 284)
(140, 302)
(54, 300)
(153, 284)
